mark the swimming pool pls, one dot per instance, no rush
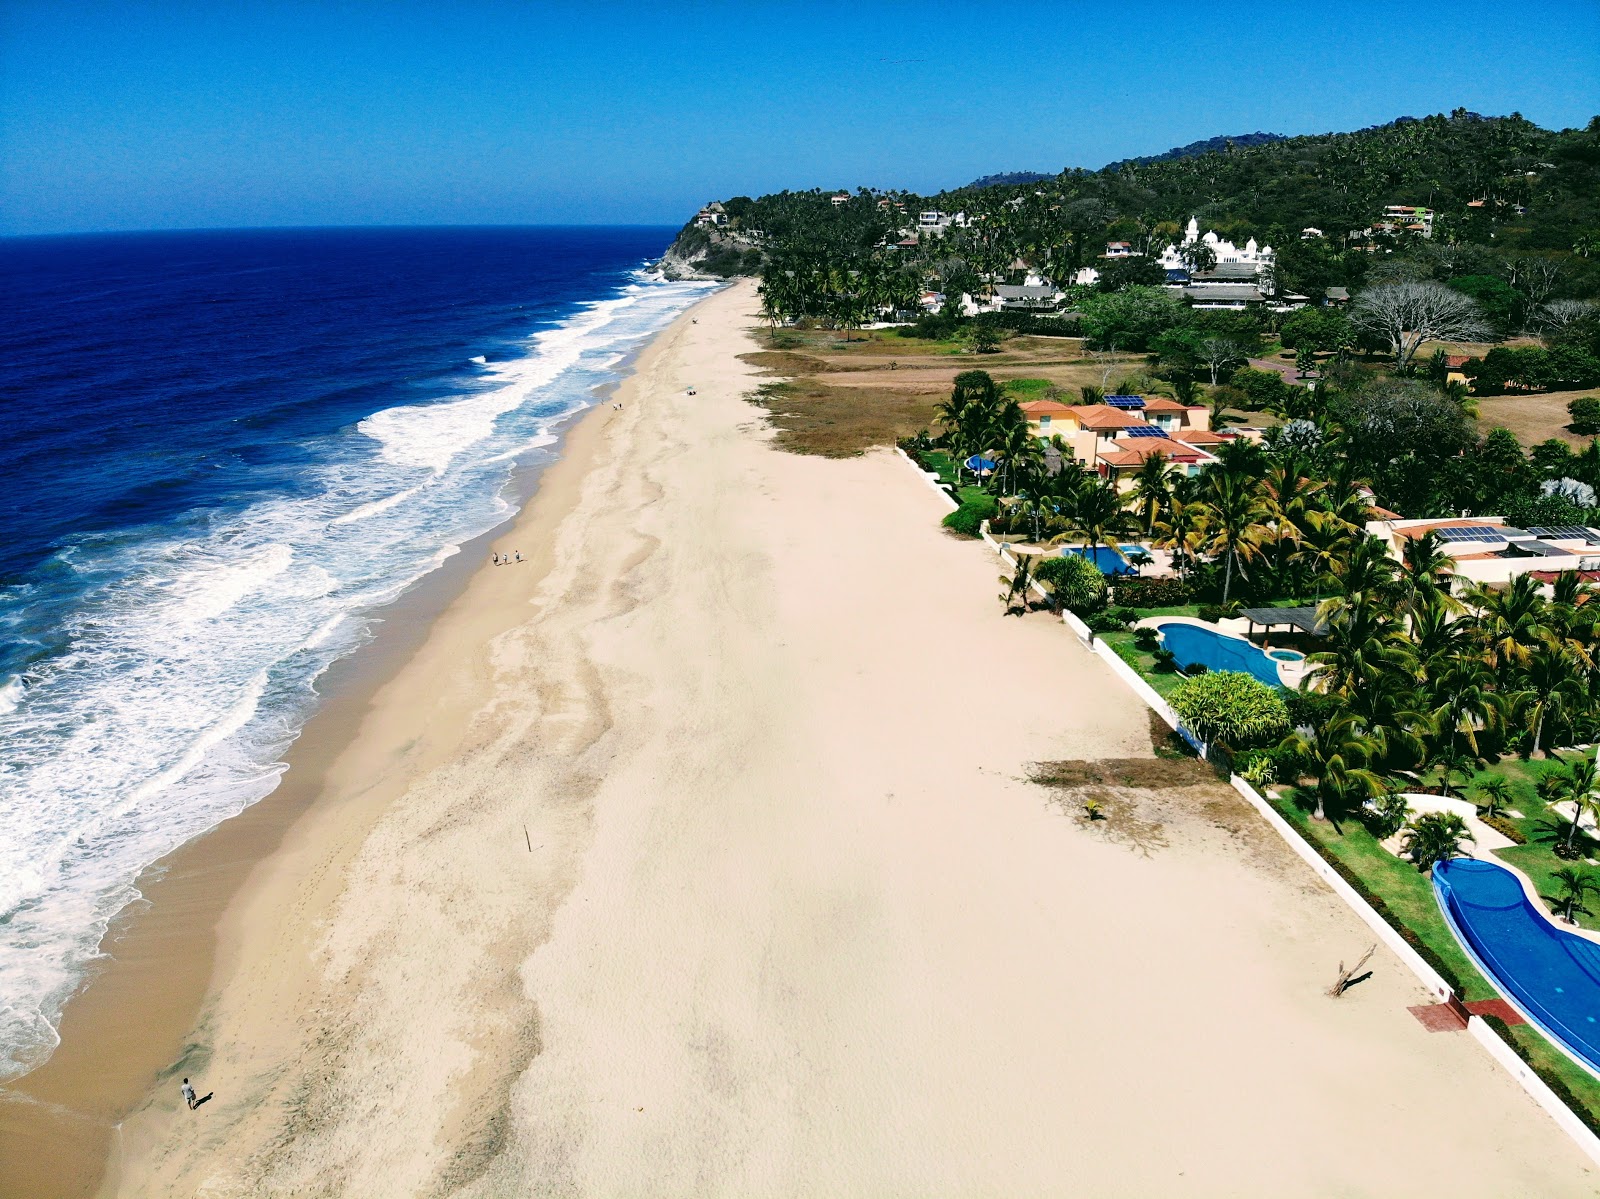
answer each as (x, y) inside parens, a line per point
(1552, 975)
(1197, 643)
(1106, 558)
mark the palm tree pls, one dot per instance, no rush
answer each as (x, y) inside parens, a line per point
(1231, 522)
(1464, 701)
(1179, 532)
(1424, 564)
(1019, 452)
(1576, 886)
(1152, 490)
(1509, 621)
(1017, 584)
(1338, 754)
(1496, 794)
(1549, 686)
(1434, 837)
(1573, 784)
(1365, 568)
(1096, 515)
(1362, 644)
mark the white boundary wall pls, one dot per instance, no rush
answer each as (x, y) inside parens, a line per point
(1477, 1028)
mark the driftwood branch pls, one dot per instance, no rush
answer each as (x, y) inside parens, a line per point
(1346, 977)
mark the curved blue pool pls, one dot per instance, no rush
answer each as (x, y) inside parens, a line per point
(1107, 559)
(1552, 975)
(1196, 643)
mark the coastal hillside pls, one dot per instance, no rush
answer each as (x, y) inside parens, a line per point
(1500, 182)
(1210, 145)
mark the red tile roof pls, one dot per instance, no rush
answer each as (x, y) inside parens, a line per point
(1104, 416)
(1035, 408)
(1134, 450)
(1201, 436)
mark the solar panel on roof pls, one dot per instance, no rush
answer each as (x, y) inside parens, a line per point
(1125, 401)
(1145, 431)
(1470, 533)
(1561, 532)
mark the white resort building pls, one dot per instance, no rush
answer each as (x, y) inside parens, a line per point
(1259, 258)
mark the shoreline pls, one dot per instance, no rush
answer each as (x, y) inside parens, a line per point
(122, 1032)
(702, 864)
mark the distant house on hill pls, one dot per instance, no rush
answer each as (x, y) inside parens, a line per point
(1118, 249)
(713, 215)
(1407, 218)
(839, 198)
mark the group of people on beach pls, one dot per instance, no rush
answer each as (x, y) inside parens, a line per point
(506, 559)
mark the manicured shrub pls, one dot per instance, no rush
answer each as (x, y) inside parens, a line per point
(1165, 662)
(1585, 413)
(1151, 593)
(1106, 621)
(1232, 707)
(1386, 816)
(967, 519)
(1074, 582)
(1146, 639)
(1212, 612)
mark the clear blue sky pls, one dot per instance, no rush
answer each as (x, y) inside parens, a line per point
(135, 115)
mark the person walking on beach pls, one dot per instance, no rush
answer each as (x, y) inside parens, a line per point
(188, 1094)
(519, 555)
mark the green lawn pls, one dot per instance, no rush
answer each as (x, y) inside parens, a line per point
(1542, 827)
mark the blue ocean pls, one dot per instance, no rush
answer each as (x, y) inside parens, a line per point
(223, 452)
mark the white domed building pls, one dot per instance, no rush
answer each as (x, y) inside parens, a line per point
(1259, 258)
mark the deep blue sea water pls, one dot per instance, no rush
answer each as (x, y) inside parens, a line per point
(222, 452)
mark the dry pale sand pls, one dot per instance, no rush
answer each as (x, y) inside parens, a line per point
(792, 921)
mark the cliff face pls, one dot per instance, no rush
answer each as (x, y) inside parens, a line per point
(698, 253)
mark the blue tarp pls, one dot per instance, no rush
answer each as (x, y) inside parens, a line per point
(977, 463)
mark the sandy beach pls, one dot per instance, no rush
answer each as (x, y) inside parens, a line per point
(697, 855)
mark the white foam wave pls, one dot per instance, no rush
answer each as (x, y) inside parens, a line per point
(190, 660)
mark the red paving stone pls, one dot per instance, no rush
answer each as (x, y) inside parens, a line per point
(1438, 1017)
(1496, 1007)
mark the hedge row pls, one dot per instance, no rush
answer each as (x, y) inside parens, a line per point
(1506, 828)
(1134, 592)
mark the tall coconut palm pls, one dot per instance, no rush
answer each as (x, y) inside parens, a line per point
(1361, 644)
(1096, 515)
(1509, 621)
(1462, 702)
(1339, 755)
(1550, 685)
(1178, 532)
(1232, 525)
(1424, 565)
(1152, 491)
